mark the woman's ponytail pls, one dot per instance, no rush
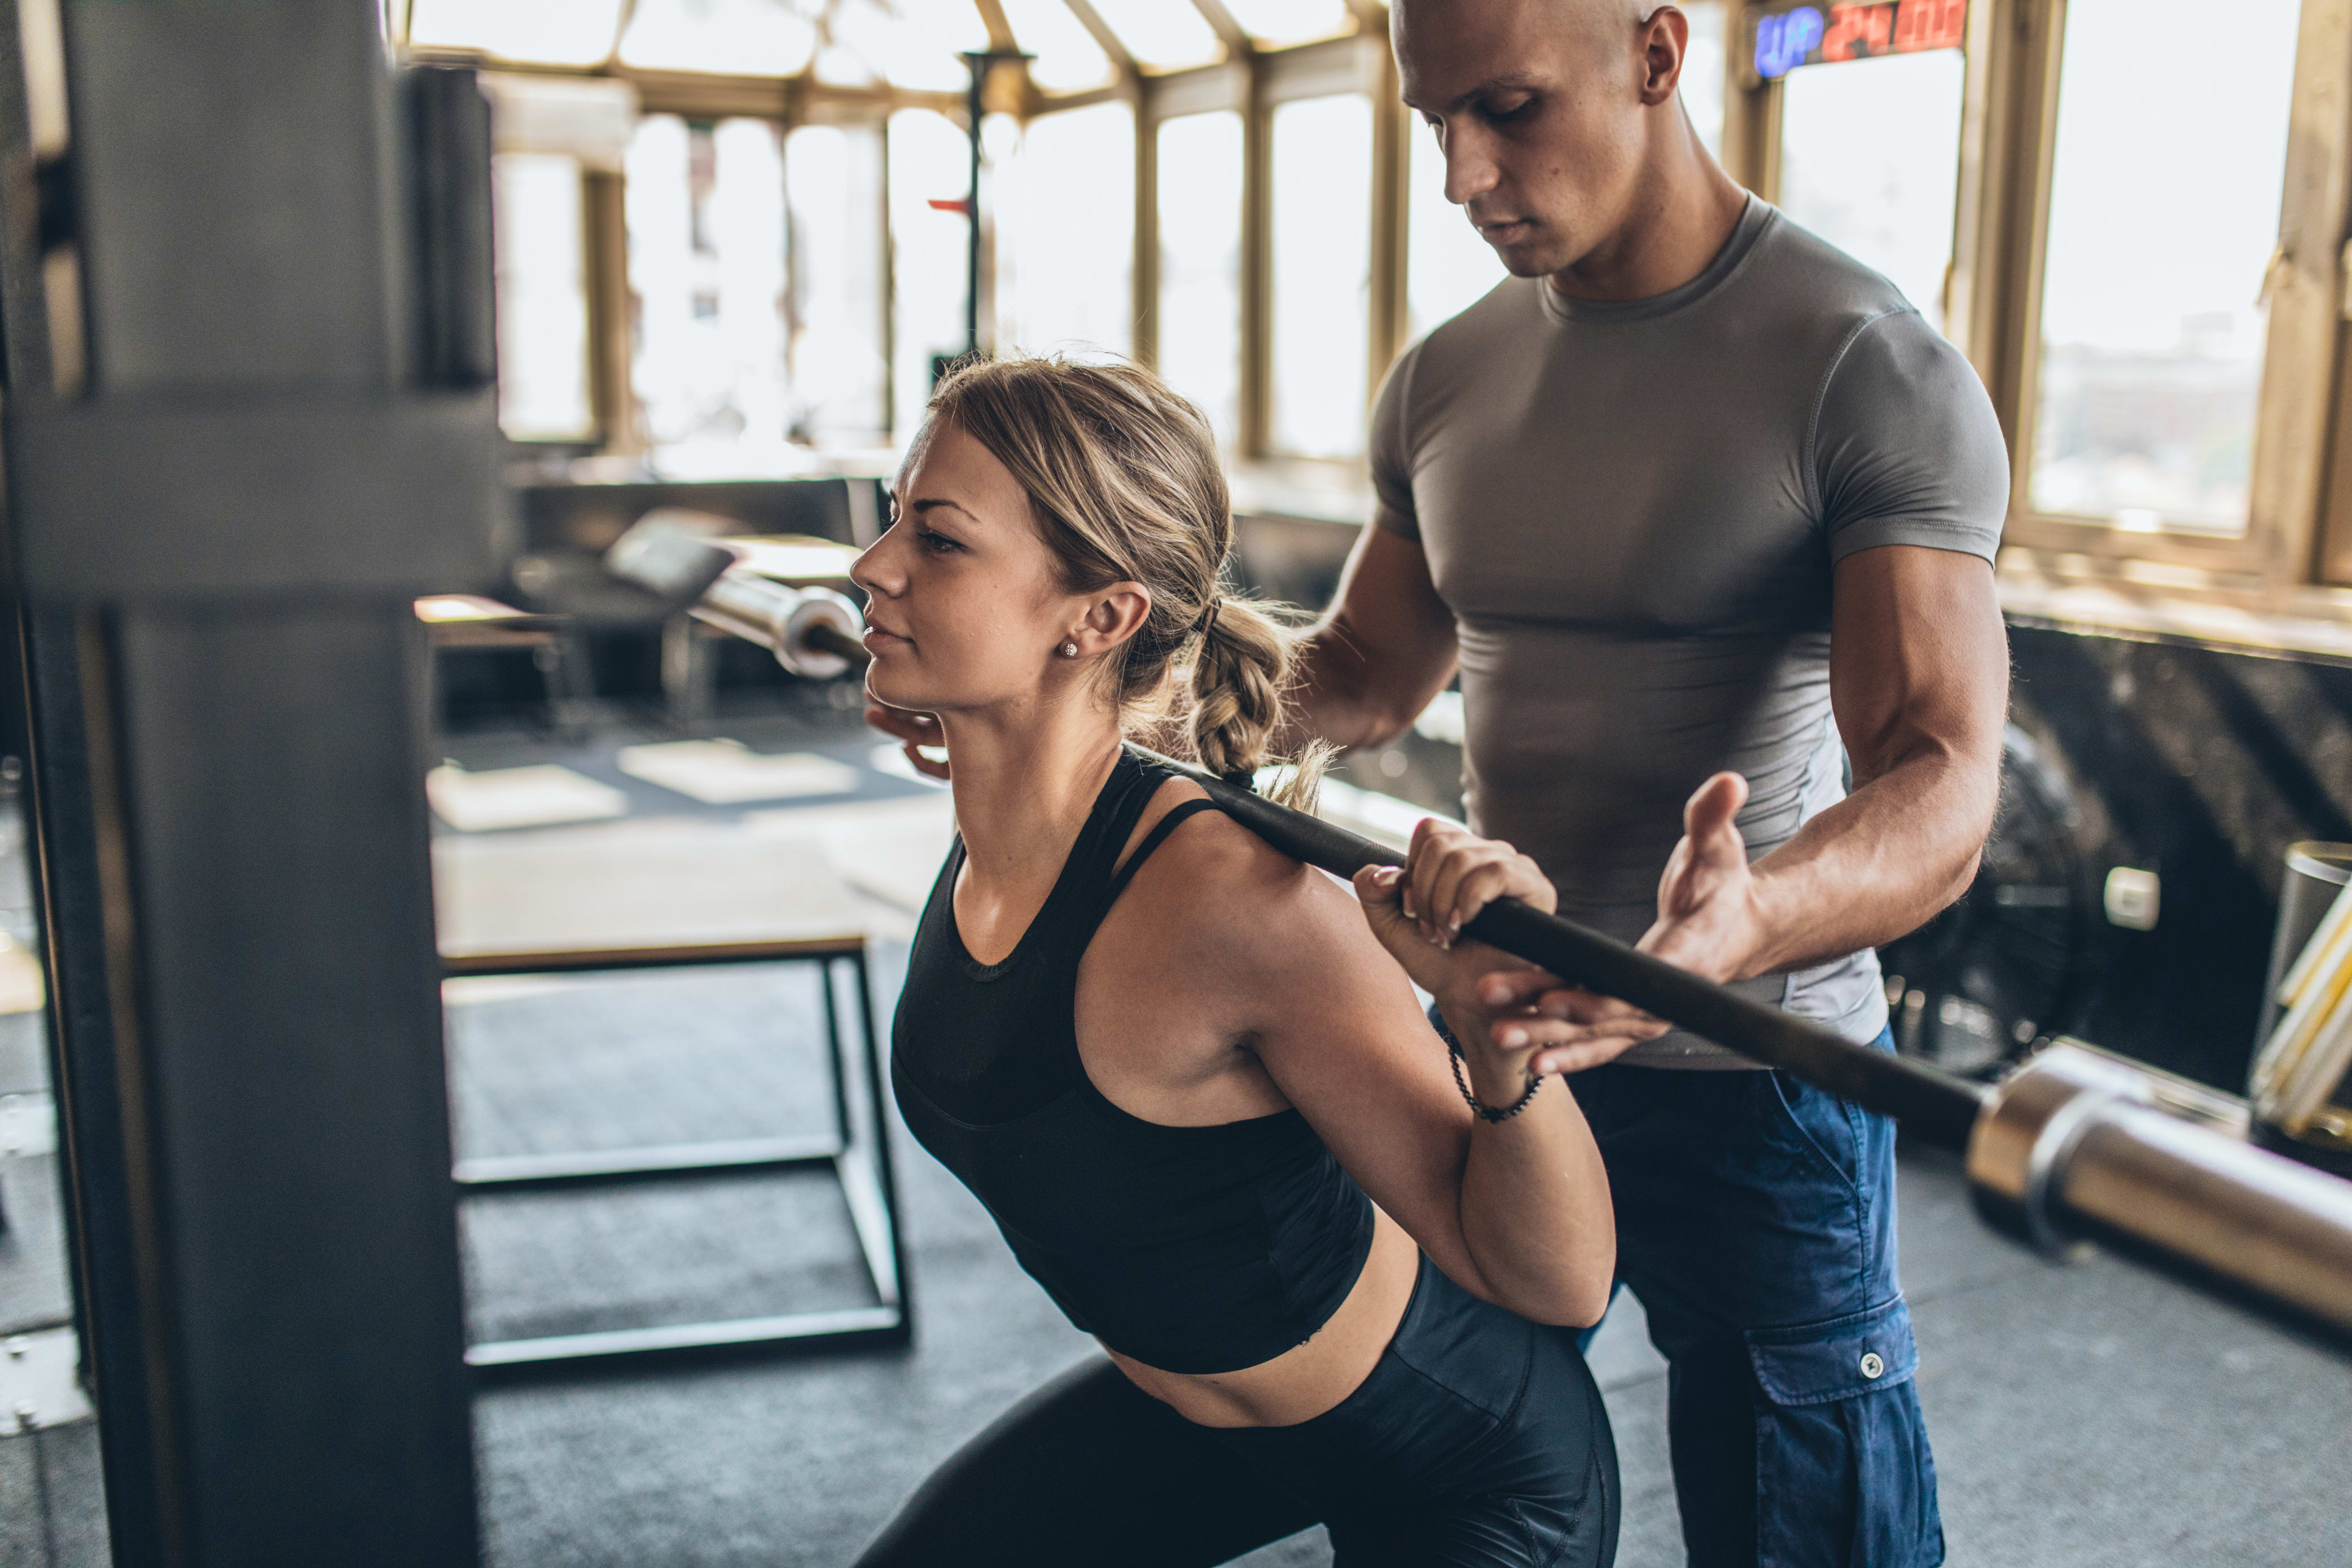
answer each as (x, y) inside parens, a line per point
(1240, 672)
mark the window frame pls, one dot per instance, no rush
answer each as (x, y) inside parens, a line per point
(2296, 553)
(2298, 537)
(2022, 62)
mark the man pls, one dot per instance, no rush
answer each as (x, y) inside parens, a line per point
(1686, 500)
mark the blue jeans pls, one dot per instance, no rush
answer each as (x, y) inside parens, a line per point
(1755, 1222)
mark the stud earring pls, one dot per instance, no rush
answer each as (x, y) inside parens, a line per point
(1069, 650)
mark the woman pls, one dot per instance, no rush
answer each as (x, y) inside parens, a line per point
(1201, 1103)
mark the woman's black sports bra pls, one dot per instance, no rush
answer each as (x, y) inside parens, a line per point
(1192, 1249)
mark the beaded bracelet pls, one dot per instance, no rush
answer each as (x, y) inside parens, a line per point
(1484, 1112)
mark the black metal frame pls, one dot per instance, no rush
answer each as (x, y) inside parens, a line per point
(860, 1160)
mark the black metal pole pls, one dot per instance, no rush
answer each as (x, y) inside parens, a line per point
(1932, 1104)
(980, 63)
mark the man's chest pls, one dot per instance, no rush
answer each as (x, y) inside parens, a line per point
(1611, 500)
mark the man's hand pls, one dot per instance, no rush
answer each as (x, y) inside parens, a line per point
(1709, 922)
(913, 731)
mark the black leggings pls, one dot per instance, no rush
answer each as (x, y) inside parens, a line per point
(1478, 1440)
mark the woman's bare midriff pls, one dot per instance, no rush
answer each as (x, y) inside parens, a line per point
(1304, 1381)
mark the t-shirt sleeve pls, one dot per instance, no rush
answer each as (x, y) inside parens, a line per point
(1390, 452)
(1907, 449)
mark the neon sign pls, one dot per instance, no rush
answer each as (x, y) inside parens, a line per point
(1787, 36)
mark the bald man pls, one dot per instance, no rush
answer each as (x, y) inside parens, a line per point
(1702, 511)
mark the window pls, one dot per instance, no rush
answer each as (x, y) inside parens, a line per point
(738, 36)
(931, 161)
(706, 219)
(540, 238)
(1703, 63)
(548, 32)
(1160, 35)
(1067, 59)
(1065, 232)
(1201, 265)
(2162, 221)
(1870, 160)
(1322, 235)
(1448, 267)
(835, 308)
(1276, 23)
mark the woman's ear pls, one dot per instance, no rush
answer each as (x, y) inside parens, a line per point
(1117, 614)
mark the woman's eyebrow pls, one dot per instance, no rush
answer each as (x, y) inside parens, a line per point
(919, 508)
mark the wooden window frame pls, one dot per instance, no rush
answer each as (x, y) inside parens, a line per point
(2298, 536)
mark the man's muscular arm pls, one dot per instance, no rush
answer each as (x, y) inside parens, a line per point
(1919, 682)
(1385, 648)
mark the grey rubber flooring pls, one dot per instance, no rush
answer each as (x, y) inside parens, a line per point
(2091, 1413)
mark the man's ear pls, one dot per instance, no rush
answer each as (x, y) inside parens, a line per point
(1665, 42)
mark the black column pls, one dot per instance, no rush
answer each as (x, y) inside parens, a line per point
(218, 535)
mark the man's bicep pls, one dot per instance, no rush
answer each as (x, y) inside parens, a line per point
(1918, 657)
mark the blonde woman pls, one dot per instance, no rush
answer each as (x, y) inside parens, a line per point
(1333, 1281)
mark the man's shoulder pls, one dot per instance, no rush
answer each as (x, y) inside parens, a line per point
(1795, 273)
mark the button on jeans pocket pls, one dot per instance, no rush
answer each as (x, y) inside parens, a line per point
(1843, 1476)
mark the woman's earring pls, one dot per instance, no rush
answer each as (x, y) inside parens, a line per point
(1069, 650)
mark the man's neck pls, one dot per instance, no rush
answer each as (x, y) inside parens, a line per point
(1683, 211)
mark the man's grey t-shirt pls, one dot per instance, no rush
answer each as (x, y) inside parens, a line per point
(1633, 510)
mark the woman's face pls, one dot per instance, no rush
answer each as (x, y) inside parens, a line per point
(965, 605)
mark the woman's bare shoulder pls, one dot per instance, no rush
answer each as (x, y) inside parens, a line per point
(1223, 892)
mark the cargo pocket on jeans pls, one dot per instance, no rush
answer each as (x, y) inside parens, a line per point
(1843, 1476)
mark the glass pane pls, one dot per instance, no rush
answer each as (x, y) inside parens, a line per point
(543, 298)
(1702, 83)
(1068, 58)
(746, 38)
(929, 160)
(554, 32)
(1322, 205)
(706, 216)
(1162, 35)
(1279, 22)
(1449, 265)
(1066, 234)
(912, 43)
(832, 190)
(1200, 265)
(2163, 211)
(1870, 160)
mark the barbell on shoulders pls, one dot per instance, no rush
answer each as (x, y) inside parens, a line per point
(2073, 1144)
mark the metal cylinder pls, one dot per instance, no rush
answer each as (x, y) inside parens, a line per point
(783, 620)
(2315, 874)
(2076, 1144)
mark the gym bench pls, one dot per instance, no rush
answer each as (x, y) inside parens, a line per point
(860, 1163)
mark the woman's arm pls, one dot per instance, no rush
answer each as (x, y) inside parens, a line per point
(1516, 1211)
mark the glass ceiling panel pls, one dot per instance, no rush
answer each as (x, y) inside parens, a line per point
(1162, 35)
(546, 32)
(740, 38)
(1280, 22)
(912, 43)
(1068, 58)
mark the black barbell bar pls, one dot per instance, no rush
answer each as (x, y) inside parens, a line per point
(2072, 1142)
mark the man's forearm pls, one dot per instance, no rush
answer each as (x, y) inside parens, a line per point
(1876, 867)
